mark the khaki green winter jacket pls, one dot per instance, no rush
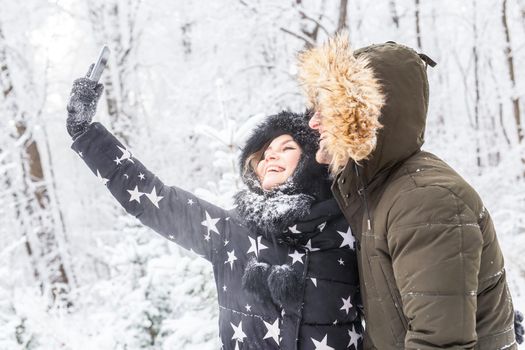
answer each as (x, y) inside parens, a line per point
(431, 269)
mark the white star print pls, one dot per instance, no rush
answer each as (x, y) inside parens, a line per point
(334, 323)
(117, 160)
(171, 236)
(141, 176)
(207, 237)
(226, 242)
(135, 194)
(341, 261)
(273, 331)
(248, 307)
(153, 197)
(321, 345)
(322, 226)
(231, 258)
(253, 246)
(347, 305)
(224, 288)
(293, 229)
(260, 245)
(296, 257)
(81, 154)
(126, 176)
(101, 179)
(348, 238)
(210, 224)
(238, 333)
(309, 246)
(354, 337)
(126, 155)
(190, 201)
(314, 281)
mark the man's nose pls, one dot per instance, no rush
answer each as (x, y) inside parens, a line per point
(315, 121)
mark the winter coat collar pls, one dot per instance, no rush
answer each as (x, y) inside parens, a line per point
(291, 219)
(272, 214)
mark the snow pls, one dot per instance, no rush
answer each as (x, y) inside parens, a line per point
(196, 81)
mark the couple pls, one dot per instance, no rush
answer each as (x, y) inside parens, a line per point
(386, 230)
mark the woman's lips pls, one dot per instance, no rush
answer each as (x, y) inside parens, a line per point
(274, 169)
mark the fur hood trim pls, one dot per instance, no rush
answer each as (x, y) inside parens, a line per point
(344, 89)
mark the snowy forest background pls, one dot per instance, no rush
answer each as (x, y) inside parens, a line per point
(186, 81)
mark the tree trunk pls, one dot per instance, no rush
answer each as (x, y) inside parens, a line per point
(418, 25)
(343, 12)
(117, 28)
(510, 64)
(441, 81)
(38, 208)
(33, 208)
(393, 13)
(477, 93)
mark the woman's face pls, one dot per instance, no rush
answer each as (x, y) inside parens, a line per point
(278, 162)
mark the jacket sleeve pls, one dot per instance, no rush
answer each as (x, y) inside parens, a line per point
(172, 212)
(435, 244)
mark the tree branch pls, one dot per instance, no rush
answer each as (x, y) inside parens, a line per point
(307, 41)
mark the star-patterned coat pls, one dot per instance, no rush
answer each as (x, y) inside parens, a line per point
(325, 317)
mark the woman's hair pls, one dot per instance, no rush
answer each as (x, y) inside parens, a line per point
(249, 163)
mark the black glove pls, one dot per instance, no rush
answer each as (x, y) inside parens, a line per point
(518, 327)
(82, 104)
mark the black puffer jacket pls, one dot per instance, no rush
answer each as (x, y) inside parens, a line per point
(324, 316)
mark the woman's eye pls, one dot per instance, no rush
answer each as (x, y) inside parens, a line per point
(288, 148)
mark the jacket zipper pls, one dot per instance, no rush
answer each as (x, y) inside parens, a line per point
(362, 193)
(300, 310)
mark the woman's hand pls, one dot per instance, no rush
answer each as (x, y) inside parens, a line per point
(82, 104)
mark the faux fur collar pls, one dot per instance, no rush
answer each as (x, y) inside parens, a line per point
(272, 213)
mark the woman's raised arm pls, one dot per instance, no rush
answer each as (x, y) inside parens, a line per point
(174, 213)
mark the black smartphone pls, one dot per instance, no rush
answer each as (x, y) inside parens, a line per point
(102, 60)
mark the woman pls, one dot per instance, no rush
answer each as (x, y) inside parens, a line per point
(283, 260)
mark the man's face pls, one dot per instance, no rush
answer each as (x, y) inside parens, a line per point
(322, 156)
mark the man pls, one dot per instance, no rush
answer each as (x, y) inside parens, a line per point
(431, 269)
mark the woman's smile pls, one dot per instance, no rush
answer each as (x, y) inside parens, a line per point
(278, 162)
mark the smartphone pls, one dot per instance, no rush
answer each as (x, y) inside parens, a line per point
(102, 60)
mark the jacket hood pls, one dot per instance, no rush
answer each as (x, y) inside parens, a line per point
(373, 101)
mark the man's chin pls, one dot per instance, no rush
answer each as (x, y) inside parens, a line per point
(322, 157)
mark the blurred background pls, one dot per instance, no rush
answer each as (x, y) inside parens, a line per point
(186, 80)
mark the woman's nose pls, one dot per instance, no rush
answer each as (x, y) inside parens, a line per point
(315, 121)
(270, 155)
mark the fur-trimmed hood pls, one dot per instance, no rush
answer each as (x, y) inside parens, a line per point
(373, 100)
